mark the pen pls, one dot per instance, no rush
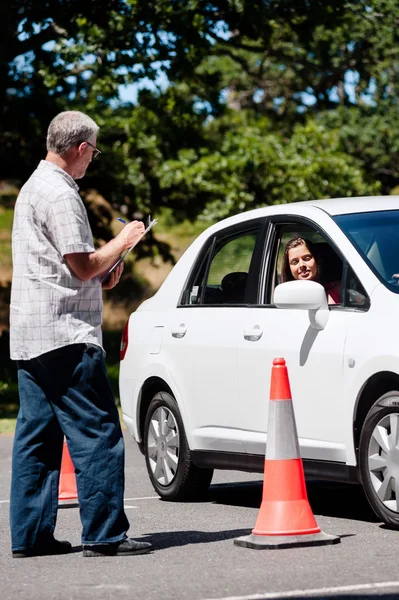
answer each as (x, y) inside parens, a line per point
(123, 220)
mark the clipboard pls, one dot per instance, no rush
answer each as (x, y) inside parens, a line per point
(150, 225)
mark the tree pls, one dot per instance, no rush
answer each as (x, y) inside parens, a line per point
(371, 135)
(280, 59)
(251, 165)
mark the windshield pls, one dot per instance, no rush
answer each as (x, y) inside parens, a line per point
(376, 237)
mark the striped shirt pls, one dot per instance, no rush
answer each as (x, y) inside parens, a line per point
(50, 307)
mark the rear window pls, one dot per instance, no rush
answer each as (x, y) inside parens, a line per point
(221, 276)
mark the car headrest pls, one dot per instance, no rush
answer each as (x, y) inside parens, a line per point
(233, 281)
(233, 287)
(330, 262)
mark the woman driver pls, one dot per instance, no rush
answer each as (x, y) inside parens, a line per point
(299, 262)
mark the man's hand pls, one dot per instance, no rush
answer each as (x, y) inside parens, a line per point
(86, 265)
(131, 233)
(114, 278)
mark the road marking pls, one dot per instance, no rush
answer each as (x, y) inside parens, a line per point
(144, 498)
(315, 592)
(129, 506)
(109, 586)
(125, 499)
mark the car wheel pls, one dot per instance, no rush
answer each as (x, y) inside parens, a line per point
(167, 453)
(379, 458)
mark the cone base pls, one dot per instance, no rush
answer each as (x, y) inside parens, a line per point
(273, 542)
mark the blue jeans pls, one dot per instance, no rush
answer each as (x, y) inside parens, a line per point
(66, 392)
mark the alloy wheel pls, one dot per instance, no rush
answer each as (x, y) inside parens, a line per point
(383, 460)
(163, 443)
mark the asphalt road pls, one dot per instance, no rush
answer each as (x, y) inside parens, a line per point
(194, 556)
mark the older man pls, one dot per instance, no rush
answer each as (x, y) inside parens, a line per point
(55, 335)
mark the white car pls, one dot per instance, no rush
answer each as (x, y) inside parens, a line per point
(196, 357)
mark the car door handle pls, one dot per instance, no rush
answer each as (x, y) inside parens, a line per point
(254, 334)
(179, 331)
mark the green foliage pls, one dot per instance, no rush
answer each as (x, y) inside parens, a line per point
(9, 399)
(250, 166)
(371, 135)
(6, 218)
(179, 230)
(234, 127)
(113, 377)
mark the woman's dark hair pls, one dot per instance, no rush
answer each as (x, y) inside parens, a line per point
(286, 274)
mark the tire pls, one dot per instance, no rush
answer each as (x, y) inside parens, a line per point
(379, 458)
(167, 454)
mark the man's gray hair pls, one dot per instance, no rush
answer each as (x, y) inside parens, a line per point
(70, 128)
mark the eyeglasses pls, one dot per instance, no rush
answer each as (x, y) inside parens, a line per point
(96, 151)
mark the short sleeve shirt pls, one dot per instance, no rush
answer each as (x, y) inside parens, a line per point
(51, 307)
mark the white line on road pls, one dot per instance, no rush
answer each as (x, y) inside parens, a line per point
(315, 592)
(144, 498)
(126, 499)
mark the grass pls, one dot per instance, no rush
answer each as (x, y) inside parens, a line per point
(6, 217)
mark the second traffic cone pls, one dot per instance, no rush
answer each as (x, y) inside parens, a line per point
(67, 488)
(285, 518)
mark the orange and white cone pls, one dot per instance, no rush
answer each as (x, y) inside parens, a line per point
(67, 489)
(285, 518)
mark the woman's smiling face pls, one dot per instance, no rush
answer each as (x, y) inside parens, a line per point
(302, 263)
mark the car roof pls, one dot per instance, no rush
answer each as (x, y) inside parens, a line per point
(344, 206)
(330, 206)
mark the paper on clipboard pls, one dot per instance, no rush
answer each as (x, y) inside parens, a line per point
(150, 225)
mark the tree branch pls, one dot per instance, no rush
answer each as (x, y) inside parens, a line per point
(50, 33)
(241, 61)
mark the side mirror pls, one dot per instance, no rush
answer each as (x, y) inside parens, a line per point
(304, 295)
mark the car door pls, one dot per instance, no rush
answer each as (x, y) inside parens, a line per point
(314, 359)
(205, 333)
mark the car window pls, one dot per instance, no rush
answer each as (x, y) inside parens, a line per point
(355, 294)
(222, 273)
(328, 264)
(376, 237)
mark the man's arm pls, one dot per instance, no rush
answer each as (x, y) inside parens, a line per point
(86, 265)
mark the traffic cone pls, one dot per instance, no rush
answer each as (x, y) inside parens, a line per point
(285, 518)
(67, 488)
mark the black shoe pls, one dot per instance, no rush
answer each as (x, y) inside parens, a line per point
(127, 547)
(52, 547)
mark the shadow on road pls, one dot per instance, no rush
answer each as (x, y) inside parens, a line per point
(327, 499)
(170, 539)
